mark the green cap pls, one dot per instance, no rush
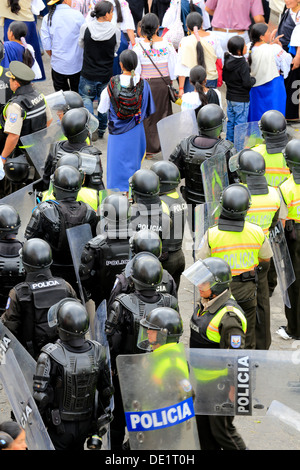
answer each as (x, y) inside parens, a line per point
(18, 70)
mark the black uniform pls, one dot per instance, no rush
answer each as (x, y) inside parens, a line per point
(49, 221)
(11, 271)
(27, 307)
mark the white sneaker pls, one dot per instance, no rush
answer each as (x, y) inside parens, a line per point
(282, 332)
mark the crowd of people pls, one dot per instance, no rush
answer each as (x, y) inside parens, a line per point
(92, 261)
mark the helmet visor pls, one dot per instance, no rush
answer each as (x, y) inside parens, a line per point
(56, 101)
(233, 163)
(199, 275)
(87, 163)
(150, 337)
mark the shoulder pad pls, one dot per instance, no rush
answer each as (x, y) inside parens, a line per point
(97, 241)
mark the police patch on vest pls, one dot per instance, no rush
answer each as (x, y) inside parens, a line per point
(13, 118)
(235, 341)
(153, 420)
(41, 285)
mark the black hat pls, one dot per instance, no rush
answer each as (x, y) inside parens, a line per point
(20, 71)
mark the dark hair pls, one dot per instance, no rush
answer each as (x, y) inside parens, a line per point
(129, 60)
(256, 31)
(197, 77)
(149, 25)
(235, 45)
(14, 6)
(19, 30)
(101, 9)
(194, 19)
(5, 440)
(12, 428)
(51, 9)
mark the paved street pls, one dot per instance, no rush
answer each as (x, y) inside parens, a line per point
(259, 434)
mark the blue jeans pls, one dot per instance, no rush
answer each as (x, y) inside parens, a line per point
(90, 91)
(237, 113)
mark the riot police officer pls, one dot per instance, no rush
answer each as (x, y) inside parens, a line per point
(265, 204)
(217, 322)
(142, 241)
(25, 113)
(28, 302)
(274, 131)
(72, 367)
(75, 125)
(148, 211)
(123, 319)
(289, 214)
(107, 254)
(243, 245)
(11, 271)
(50, 220)
(169, 178)
(192, 151)
(70, 100)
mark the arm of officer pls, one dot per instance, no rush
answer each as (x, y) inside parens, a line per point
(12, 317)
(13, 127)
(231, 331)
(265, 253)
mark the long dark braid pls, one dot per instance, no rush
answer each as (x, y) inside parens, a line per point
(52, 9)
(257, 30)
(14, 6)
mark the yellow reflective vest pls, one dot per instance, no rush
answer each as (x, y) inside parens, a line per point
(276, 168)
(291, 195)
(239, 249)
(263, 208)
(88, 195)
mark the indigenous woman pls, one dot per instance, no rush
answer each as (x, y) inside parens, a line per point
(156, 64)
(20, 10)
(270, 65)
(128, 101)
(200, 47)
(16, 48)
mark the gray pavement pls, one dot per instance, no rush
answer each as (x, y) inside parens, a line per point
(258, 433)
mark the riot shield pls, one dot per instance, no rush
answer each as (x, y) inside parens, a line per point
(243, 382)
(98, 334)
(158, 400)
(78, 236)
(25, 360)
(282, 261)
(23, 405)
(37, 145)
(24, 201)
(173, 129)
(215, 177)
(247, 135)
(205, 216)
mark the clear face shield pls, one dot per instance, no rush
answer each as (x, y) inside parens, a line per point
(233, 163)
(199, 275)
(57, 102)
(151, 337)
(87, 163)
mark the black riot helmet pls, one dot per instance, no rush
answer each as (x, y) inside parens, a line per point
(71, 319)
(71, 159)
(169, 175)
(248, 162)
(144, 184)
(66, 182)
(235, 202)
(272, 123)
(291, 154)
(146, 271)
(73, 100)
(17, 169)
(115, 208)
(168, 324)
(75, 125)
(9, 220)
(36, 254)
(146, 240)
(210, 119)
(221, 273)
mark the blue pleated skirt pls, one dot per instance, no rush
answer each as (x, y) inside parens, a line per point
(271, 95)
(125, 153)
